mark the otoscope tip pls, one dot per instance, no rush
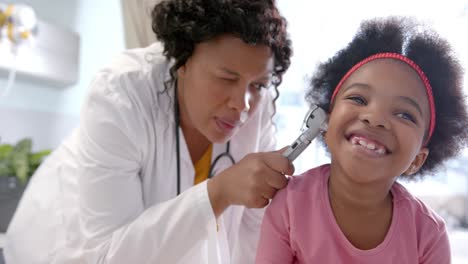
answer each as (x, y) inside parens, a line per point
(324, 126)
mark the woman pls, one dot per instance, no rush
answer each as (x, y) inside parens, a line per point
(130, 184)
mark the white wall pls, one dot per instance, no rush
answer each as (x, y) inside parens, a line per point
(99, 24)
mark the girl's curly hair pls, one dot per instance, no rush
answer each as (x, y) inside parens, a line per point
(181, 24)
(435, 57)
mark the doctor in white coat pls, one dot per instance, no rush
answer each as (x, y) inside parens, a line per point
(132, 184)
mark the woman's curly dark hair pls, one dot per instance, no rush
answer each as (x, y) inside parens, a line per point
(181, 24)
(435, 57)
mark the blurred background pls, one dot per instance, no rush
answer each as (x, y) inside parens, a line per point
(47, 69)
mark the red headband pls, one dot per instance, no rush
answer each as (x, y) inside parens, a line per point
(413, 65)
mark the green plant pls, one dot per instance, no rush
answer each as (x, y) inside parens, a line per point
(19, 161)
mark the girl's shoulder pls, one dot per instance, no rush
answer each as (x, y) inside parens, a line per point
(311, 180)
(304, 194)
(417, 219)
(416, 209)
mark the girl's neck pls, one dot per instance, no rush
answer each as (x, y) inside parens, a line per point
(363, 212)
(345, 193)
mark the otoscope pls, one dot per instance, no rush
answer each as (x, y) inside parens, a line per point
(315, 121)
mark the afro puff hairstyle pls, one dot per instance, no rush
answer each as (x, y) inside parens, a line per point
(434, 56)
(182, 24)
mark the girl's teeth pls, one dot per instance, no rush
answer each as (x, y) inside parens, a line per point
(380, 151)
(370, 146)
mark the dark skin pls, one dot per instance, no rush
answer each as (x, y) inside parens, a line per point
(227, 78)
(376, 130)
(197, 143)
(364, 225)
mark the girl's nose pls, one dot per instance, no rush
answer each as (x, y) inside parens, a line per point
(374, 117)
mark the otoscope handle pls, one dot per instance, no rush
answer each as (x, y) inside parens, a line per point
(315, 121)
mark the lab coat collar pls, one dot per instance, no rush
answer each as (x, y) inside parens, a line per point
(160, 78)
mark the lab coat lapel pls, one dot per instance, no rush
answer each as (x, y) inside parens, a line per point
(187, 171)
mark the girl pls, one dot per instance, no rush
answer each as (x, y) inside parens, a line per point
(396, 109)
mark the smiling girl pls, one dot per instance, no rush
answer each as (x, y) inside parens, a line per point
(396, 110)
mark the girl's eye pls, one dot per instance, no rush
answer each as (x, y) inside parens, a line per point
(357, 99)
(407, 116)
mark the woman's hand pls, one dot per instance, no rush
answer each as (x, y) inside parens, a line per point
(251, 182)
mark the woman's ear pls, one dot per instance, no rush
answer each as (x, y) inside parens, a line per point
(181, 71)
(418, 162)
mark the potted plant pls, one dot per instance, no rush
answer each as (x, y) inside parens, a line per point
(17, 165)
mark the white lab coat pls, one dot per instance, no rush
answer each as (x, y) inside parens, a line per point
(108, 193)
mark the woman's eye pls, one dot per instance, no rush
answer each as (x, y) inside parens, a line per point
(227, 79)
(407, 116)
(357, 99)
(258, 86)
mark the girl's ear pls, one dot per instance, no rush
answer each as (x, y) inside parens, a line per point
(325, 138)
(324, 132)
(418, 162)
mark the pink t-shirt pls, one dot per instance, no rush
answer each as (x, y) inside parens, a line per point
(299, 227)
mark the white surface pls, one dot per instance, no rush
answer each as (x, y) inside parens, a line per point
(47, 130)
(100, 41)
(2, 240)
(458, 244)
(52, 57)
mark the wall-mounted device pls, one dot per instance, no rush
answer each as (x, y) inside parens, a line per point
(35, 50)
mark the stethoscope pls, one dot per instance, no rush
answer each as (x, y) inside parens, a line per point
(225, 154)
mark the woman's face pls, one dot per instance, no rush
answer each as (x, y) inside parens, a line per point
(378, 122)
(221, 85)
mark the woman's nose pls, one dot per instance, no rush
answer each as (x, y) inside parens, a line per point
(240, 99)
